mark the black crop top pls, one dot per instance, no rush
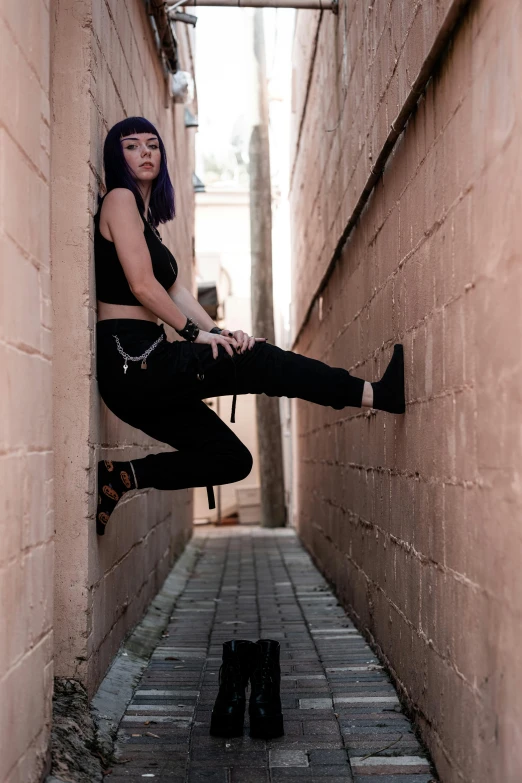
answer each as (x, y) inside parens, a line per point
(111, 284)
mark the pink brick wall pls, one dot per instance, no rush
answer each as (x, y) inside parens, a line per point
(417, 518)
(154, 526)
(105, 67)
(26, 447)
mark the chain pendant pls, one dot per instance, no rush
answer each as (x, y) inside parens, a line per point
(143, 357)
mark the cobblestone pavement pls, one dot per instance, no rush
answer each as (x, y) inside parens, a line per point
(343, 721)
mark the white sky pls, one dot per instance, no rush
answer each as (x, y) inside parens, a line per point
(225, 80)
(225, 76)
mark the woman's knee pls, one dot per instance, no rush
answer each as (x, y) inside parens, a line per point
(229, 461)
(242, 462)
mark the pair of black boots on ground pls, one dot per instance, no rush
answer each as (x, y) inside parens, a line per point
(257, 662)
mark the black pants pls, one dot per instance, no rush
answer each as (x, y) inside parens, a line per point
(165, 400)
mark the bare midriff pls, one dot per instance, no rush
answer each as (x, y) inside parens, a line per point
(106, 311)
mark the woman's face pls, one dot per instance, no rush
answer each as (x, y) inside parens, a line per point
(143, 156)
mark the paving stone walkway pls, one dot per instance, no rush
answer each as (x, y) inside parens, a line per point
(343, 721)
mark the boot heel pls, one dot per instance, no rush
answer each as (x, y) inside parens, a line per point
(266, 728)
(226, 726)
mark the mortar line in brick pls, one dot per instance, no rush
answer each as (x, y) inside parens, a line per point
(407, 547)
(114, 84)
(128, 553)
(23, 54)
(349, 75)
(27, 350)
(124, 53)
(136, 42)
(305, 104)
(402, 262)
(31, 165)
(429, 65)
(450, 481)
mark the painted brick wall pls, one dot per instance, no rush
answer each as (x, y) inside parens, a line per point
(417, 518)
(130, 81)
(26, 448)
(105, 67)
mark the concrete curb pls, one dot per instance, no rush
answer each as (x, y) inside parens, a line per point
(118, 686)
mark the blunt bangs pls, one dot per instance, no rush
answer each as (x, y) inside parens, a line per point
(119, 175)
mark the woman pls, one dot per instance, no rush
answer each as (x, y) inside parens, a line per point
(159, 386)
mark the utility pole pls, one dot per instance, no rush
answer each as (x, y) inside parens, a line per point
(273, 508)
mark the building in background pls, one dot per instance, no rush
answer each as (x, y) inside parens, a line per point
(70, 70)
(416, 518)
(226, 83)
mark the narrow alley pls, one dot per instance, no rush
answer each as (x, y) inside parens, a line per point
(339, 180)
(343, 720)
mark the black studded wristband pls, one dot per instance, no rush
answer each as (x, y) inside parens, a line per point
(189, 332)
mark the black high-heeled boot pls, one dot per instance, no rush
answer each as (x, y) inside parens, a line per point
(228, 714)
(388, 393)
(266, 717)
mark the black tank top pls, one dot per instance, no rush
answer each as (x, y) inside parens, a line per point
(111, 284)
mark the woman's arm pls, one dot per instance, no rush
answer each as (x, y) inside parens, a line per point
(182, 297)
(126, 229)
(192, 308)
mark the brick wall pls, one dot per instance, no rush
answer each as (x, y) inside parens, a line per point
(26, 456)
(105, 67)
(130, 80)
(417, 518)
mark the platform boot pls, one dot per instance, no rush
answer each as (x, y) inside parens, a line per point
(388, 393)
(266, 717)
(229, 709)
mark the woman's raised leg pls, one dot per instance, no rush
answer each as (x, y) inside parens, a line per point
(268, 369)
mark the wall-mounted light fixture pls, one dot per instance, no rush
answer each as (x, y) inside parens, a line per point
(190, 120)
(179, 16)
(182, 87)
(198, 185)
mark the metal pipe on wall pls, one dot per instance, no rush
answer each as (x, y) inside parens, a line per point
(324, 5)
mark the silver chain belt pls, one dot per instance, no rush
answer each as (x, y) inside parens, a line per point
(142, 358)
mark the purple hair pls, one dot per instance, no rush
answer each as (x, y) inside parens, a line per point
(119, 175)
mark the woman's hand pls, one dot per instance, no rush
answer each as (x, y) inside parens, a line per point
(206, 338)
(243, 340)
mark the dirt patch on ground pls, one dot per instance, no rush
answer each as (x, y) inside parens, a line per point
(76, 757)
